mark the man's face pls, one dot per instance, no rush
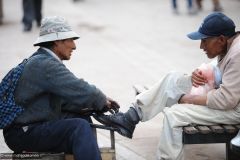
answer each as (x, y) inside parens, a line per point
(212, 46)
(64, 48)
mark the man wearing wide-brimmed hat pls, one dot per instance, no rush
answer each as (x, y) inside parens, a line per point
(53, 99)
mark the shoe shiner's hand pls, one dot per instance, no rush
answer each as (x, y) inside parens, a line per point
(112, 106)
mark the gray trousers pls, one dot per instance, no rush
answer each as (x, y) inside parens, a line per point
(163, 97)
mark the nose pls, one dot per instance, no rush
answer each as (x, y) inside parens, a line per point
(73, 45)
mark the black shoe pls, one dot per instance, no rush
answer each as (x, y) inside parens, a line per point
(118, 120)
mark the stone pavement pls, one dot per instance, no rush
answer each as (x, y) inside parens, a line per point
(123, 42)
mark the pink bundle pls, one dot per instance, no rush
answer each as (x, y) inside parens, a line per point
(208, 72)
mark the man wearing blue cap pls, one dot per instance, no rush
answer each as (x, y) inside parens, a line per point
(172, 94)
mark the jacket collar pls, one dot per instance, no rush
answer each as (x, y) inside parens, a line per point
(52, 53)
(47, 52)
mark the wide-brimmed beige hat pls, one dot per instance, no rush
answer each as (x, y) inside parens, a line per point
(55, 28)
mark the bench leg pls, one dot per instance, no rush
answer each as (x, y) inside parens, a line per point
(229, 154)
(112, 140)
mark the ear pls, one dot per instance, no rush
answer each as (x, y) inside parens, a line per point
(56, 43)
(223, 39)
(55, 46)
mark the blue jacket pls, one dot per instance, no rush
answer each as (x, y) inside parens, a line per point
(46, 88)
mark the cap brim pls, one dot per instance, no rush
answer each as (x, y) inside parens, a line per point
(197, 36)
(56, 36)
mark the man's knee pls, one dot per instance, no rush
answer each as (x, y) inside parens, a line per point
(176, 115)
(80, 129)
(79, 123)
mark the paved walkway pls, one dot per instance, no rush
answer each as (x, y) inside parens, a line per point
(122, 43)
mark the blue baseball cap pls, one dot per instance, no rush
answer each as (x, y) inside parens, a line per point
(214, 25)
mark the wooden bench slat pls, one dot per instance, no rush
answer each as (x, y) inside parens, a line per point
(237, 126)
(230, 128)
(216, 129)
(190, 130)
(203, 129)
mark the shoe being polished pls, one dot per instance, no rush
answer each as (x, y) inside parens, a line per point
(122, 121)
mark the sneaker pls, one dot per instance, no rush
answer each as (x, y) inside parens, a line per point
(118, 120)
(235, 144)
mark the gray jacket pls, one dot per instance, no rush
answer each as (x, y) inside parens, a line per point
(47, 88)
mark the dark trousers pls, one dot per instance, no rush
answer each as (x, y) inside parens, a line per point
(189, 4)
(32, 11)
(72, 135)
(1, 11)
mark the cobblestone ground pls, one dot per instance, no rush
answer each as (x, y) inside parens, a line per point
(123, 42)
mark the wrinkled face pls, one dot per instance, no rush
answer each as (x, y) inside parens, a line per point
(64, 48)
(214, 46)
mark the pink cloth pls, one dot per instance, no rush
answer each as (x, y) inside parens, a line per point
(208, 72)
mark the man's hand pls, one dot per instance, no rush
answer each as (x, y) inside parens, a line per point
(198, 78)
(193, 99)
(111, 106)
(187, 98)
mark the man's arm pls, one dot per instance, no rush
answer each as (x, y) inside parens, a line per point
(227, 96)
(62, 82)
(194, 99)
